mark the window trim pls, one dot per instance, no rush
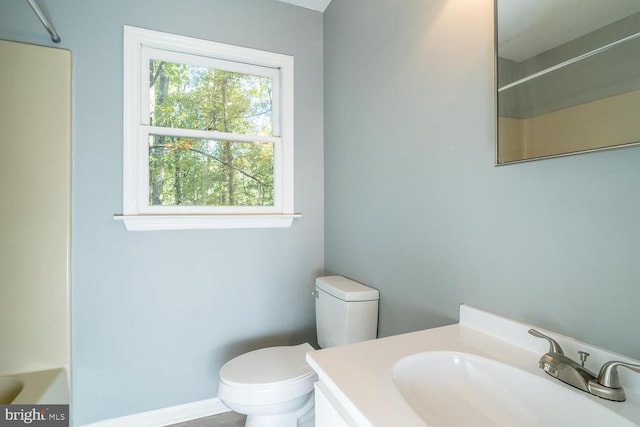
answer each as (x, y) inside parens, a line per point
(137, 214)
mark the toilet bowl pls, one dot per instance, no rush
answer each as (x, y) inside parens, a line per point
(274, 386)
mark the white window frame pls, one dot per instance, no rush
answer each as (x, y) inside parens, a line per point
(141, 45)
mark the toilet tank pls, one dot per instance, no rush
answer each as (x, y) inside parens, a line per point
(346, 311)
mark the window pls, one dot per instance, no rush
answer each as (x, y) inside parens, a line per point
(208, 134)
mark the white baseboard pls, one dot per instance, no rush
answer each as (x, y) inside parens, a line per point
(166, 416)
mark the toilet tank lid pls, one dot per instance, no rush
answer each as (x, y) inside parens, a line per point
(346, 289)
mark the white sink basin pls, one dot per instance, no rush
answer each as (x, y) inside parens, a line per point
(459, 389)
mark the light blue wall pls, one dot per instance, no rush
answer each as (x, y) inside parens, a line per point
(155, 314)
(415, 207)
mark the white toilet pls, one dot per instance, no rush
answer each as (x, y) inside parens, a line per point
(274, 386)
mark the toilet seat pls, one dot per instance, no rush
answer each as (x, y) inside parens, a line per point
(267, 376)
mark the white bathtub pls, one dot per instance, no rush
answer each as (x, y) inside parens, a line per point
(31, 388)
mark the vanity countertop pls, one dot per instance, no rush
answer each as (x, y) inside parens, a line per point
(360, 381)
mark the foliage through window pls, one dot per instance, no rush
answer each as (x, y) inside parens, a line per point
(205, 172)
(208, 127)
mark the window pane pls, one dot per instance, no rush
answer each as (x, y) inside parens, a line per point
(200, 172)
(192, 97)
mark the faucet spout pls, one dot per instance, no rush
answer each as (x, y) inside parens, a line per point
(566, 370)
(559, 366)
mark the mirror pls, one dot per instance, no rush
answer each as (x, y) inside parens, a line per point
(568, 77)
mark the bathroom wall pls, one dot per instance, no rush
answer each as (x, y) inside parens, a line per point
(35, 190)
(155, 314)
(415, 206)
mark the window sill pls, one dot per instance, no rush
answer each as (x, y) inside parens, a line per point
(204, 222)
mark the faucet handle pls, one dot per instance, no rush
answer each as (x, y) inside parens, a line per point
(608, 375)
(607, 385)
(554, 347)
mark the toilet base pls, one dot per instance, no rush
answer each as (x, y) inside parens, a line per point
(304, 417)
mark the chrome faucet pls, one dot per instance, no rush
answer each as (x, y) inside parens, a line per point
(605, 385)
(559, 366)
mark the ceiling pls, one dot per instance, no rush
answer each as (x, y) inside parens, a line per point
(526, 29)
(319, 5)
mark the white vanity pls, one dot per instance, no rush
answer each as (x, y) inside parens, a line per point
(480, 372)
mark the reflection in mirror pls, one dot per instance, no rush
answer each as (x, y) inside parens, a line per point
(568, 77)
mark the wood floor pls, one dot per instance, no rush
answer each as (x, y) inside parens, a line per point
(228, 419)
